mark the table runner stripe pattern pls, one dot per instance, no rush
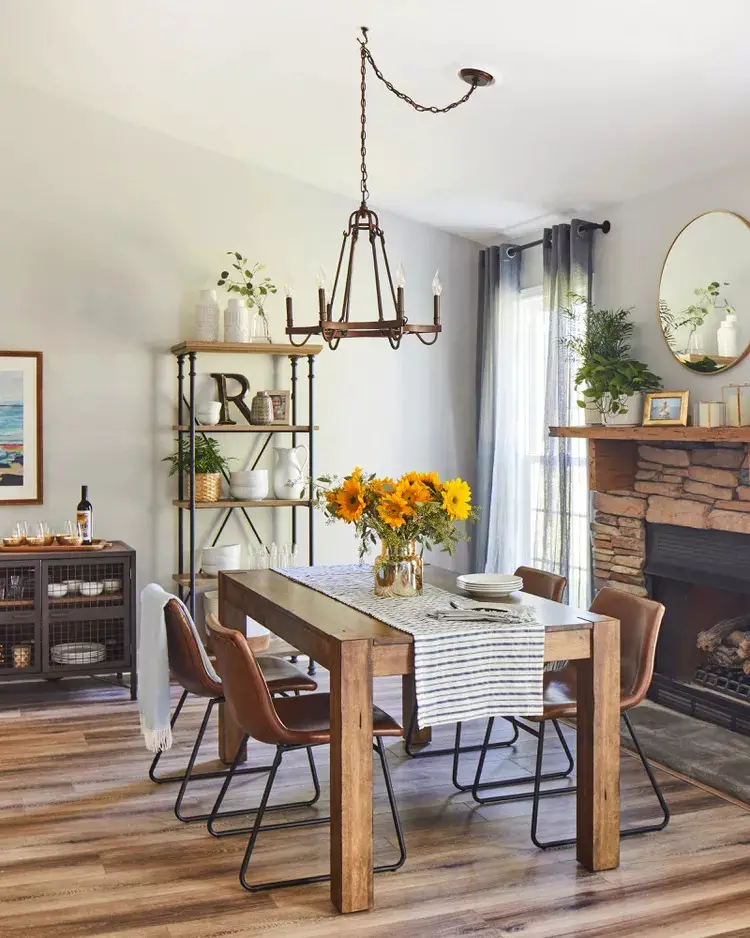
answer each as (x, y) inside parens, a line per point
(462, 670)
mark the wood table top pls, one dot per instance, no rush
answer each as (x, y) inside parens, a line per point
(334, 619)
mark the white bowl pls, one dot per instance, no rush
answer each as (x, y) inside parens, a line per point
(209, 413)
(112, 586)
(74, 586)
(225, 550)
(91, 589)
(247, 494)
(212, 569)
(57, 590)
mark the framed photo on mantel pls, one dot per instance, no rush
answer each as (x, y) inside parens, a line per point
(666, 409)
(21, 425)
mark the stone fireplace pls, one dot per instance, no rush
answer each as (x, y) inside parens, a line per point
(679, 533)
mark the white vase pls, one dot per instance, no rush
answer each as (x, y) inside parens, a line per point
(289, 481)
(236, 321)
(592, 415)
(632, 416)
(726, 337)
(207, 317)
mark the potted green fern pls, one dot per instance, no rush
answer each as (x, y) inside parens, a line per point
(209, 466)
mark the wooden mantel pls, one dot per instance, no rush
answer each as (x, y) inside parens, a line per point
(613, 451)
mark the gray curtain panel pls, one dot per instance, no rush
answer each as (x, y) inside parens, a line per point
(499, 288)
(568, 268)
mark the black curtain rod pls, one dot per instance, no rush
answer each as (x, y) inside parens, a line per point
(604, 227)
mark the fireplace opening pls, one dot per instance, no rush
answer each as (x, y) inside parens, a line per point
(703, 655)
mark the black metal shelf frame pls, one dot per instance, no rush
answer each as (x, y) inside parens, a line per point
(186, 403)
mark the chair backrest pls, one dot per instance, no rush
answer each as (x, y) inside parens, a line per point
(541, 583)
(185, 661)
(640, 621)
(245, 688)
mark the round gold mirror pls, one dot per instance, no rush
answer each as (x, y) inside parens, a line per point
(704, 293)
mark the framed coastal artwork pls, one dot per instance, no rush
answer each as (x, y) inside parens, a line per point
(21, 428)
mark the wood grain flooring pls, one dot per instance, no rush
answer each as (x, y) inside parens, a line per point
(90, 848)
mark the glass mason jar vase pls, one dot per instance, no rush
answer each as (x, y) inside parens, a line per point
(398, 571)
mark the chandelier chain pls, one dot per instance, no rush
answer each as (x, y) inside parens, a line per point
(365, 57)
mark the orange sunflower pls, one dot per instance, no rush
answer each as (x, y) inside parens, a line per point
(394, 510)
(350, 501)
(457, 499)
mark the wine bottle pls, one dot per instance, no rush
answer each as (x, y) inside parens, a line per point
(85, 516)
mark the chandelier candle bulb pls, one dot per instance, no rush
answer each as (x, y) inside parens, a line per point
(400, 282)
(437, 289)
(288, 300)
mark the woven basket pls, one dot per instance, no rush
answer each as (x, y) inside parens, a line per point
(207, 487)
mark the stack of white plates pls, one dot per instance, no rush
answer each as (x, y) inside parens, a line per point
(78, 653)
(489, 585)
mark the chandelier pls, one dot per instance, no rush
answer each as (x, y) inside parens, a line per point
(334, 322)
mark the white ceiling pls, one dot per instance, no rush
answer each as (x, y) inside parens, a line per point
(600, 100)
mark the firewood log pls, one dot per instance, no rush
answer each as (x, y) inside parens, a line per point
(713, 637)
(743, 646)
(746, 666)
(726, 657)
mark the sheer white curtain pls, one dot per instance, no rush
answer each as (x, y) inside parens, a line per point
(517, 520)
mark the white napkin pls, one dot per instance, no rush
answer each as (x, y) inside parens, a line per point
(486, 613)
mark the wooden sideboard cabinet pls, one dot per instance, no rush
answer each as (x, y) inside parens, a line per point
(50, 635)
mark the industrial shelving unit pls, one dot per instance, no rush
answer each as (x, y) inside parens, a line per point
(187, 353)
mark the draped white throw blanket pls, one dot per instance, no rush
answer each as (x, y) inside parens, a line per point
(464, 669)
(153, 667)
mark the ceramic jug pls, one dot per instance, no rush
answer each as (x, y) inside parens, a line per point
(289, 479)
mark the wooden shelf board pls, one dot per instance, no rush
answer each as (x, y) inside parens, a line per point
(246, 428)
(663, 434)
(247, 348)
(15, 603)
(232, 503)
(201, 581)
(110, 599)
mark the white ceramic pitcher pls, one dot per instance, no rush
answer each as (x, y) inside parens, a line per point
(289, 480)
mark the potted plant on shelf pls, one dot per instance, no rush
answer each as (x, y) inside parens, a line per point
(617, 387)
(209, 465)
(254, 293)
(612, 383)
(407, 516)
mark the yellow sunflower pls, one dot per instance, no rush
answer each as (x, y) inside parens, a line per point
(383, 486)
(394, 510)
(431, 478)
(350, 501)
(413, 491)
(457, 499)
(331, 495)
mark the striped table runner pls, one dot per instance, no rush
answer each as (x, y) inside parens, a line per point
(462, 670)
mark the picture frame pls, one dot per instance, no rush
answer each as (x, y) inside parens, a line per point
(21, 429)
(666, 409)
(282, 407)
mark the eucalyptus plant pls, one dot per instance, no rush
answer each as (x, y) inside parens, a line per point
(255, 292)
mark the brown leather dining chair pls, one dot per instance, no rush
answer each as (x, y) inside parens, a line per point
(288, 723)
(640, 621)
(537, 583)
(187, 668)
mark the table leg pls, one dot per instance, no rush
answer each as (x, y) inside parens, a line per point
(351, 777)
(408, 703)
(598, 769)
(230, 734)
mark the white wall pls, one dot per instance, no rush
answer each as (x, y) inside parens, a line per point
(630, 257)
(107, 233)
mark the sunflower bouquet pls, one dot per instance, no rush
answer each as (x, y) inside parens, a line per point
(408, 515)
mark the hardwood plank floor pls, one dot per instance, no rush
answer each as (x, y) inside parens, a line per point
(90, 848)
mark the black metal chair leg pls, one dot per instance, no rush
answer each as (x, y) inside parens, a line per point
(188, 818)
(519, 779)
(627, 832)
(258, 826)
(458, 750)
(231, 831)
(391, 867)
(450, 751)
(152, 768)
(200, 776)
(654, 784)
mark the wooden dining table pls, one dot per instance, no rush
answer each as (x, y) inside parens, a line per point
(356, 648)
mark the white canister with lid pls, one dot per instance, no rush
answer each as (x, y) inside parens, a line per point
(727, 338)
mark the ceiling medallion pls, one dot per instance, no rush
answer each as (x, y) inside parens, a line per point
(334, 324)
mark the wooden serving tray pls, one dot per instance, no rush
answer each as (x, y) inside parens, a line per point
(54, 548)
